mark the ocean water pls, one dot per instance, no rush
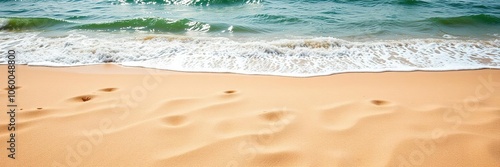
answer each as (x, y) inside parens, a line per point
(273, 37)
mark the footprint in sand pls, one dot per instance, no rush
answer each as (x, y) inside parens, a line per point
(108, 89)
(273, 116)
(230, 92)
(379, 102)
(17, 87)
(83, 98)
(175, 120)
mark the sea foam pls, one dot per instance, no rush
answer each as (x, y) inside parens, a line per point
(285, 57)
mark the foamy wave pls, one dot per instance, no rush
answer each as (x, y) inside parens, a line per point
(3, 22)
(286, 57)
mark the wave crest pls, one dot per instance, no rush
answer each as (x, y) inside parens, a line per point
(149, 24)
(481, 19)
(191, 2)
(19, 24)
(137, 24)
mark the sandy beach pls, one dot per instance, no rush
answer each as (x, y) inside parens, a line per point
(109, 115)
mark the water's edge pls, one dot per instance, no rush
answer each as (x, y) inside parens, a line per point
(304, 57)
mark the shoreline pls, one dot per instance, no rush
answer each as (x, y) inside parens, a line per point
(285, 57)
(99, 67)
(110, 115)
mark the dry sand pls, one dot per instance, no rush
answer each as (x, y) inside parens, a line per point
(107, 115)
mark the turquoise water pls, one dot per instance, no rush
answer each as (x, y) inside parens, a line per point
(277, 37)
(261, 18)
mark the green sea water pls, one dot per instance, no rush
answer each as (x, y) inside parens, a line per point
(392, 19)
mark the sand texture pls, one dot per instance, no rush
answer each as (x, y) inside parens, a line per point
(108, 115)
